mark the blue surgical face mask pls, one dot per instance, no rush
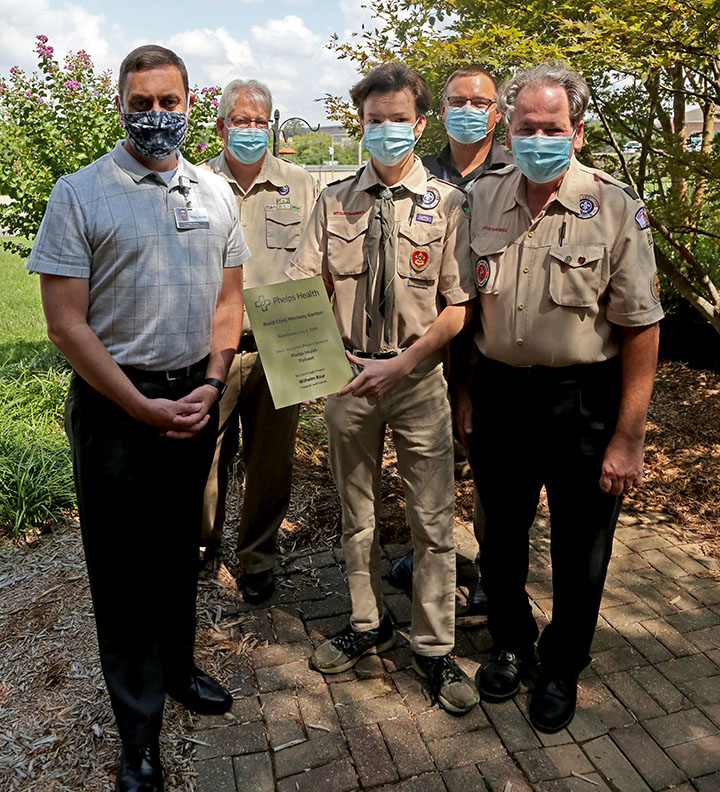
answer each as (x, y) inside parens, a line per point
(155, 134)
(247, 145)
(542, 158)
(466, 124)
(390, 142)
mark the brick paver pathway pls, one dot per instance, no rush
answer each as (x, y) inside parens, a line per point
(648, 713)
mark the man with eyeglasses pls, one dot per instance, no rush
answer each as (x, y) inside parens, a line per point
(274, 199)
(470, 113)
(567, 340)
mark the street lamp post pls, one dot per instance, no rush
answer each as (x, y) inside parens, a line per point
(277, 128)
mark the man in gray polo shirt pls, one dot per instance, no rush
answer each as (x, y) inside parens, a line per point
(141, 256)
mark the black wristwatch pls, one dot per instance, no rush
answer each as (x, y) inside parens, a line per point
(216, 383)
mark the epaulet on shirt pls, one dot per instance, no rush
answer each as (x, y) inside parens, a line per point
(340, 181)
(608, 179)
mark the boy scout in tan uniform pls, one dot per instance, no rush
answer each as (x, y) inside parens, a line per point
(274, 208)
(568, 341)
(393, 258)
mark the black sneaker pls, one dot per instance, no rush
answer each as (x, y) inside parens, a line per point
(258, 587)
(349, 645)
(449, 685)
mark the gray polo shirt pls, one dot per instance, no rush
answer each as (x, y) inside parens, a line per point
(153, 287)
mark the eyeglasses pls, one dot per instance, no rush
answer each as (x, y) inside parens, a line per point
(243, 123)
(479, 102)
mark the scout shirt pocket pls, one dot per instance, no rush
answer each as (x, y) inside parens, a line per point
(346, 237)
(282, 228)
(420, 251)
(575, 274)
(488, 255)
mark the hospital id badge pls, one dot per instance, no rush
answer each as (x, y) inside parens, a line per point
(185, 218)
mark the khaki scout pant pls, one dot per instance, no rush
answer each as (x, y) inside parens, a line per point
(418, 412)
(268, 443)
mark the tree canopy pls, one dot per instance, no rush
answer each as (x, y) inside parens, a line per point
(646, 64)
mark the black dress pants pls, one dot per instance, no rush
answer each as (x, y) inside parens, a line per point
(140, 501)
(546, 426)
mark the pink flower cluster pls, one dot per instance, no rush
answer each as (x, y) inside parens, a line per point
(202, 146)
(42, 49)
(209, 90)
(72, 85)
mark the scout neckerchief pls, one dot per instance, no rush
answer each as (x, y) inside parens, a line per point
(381, 259)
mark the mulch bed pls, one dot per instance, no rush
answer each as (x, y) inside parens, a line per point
(56, 727)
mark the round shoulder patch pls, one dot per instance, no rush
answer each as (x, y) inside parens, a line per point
(284, 190)
(589, 206)
(483, 271)
(431, 198)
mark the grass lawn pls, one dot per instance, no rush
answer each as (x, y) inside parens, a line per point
(35, 473)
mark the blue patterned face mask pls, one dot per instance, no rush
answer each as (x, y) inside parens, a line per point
(155, 134)
(542, 158)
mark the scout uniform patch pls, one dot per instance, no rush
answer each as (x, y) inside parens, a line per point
(419, 259)
(423, 218)
(656, 288)
(284, 190)
(431, 198)
(589, 206)
(483, 271)
(642, 219)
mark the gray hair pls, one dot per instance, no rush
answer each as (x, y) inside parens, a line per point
(237, 88)
(549, 73)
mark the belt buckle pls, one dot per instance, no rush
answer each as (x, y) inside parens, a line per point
(177, 374)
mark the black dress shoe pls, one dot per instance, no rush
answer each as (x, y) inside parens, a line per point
(202, 694)
(401, 574)
(258, 587)
(500, 678)
(140, 769)
(552, 705)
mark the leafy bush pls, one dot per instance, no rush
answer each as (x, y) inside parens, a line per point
(59, 119)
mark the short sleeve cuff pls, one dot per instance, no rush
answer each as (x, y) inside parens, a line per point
(460, 294)
(638, 318)
(49, 267)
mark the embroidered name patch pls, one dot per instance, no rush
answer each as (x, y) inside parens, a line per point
(642, 219)
(493, 228)
(588, 205)
(423, 218)
(350, 214)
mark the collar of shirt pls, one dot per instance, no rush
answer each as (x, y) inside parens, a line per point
(577, 181)
(269, 172)
(497, 157)
(415, 180)
(137, 171)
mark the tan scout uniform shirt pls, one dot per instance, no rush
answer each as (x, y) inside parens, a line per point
(273, 215)
(552, 290)
(432, 254)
